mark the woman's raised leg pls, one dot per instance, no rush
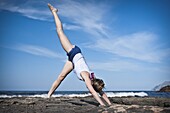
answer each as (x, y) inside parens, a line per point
(68, 67)
(66, 44)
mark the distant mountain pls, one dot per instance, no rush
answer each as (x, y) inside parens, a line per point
(158, 87)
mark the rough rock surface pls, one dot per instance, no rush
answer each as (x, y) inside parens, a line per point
(84, 105)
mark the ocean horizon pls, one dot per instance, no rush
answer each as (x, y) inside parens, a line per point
(43, 94)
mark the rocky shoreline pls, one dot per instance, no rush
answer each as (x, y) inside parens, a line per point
(84, 105)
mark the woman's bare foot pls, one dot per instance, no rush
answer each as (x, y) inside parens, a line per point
(53, 10)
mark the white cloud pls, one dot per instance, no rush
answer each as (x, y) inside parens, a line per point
(37, 50)
(30, 9)
(115, 65)
(129, 66)
(140, 46)
(71, 27)
(86, 15)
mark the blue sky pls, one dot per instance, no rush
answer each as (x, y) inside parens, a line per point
(125, 42)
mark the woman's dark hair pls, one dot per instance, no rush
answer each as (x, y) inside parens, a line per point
(98, 84)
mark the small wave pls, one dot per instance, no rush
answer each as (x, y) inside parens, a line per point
(46, 96)
(126, 94)
(109, 94)
(10, 96)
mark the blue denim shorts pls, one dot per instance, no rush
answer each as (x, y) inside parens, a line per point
(73, 52)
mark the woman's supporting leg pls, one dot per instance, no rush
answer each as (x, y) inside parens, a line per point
(67, 46)
(68, 67)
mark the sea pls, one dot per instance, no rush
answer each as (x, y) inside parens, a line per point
(43, 94)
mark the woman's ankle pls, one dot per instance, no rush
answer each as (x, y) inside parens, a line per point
(53, 9)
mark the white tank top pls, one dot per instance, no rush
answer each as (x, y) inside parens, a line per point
(80, 65)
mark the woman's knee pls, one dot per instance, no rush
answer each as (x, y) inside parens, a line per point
(61, 77)
(60, 30)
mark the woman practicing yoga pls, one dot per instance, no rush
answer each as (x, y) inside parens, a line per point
(77, 63)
